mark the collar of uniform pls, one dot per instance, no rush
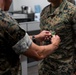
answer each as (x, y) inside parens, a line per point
(61, 7)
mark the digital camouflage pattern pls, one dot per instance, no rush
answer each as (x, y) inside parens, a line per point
(72, 1)
(62, 21)
(10, 34)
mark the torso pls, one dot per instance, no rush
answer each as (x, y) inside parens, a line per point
(60, 22)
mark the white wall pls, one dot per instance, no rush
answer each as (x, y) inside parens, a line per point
(75, 2)
(18, 3)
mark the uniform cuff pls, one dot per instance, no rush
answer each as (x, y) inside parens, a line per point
(22, 45)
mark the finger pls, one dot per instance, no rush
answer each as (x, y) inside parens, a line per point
(48, 33)
(57, 36)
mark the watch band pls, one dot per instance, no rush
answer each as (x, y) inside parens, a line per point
(33, 39)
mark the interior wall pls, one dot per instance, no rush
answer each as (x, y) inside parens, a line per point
(18, 3)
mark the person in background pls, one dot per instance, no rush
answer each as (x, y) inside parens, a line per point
(59, 17)
(14, 41)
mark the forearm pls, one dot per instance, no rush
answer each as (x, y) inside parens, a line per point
(40, 52)
(46, 50)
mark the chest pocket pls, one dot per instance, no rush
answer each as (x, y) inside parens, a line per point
(60, 28)
(61, 23)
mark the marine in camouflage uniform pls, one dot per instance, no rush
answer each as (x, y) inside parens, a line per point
(60, 21)
(10, 34)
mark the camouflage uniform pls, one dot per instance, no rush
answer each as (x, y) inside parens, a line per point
(72, 1)
(61, 21)
(10, 35)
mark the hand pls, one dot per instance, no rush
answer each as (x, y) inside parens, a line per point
(43, 35)
(55, 40)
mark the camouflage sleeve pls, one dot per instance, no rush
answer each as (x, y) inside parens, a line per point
(22, 45)
(73, 20)
(42, 15)
(74, 28)
(41, 21)
(13, 34)
(18, 38)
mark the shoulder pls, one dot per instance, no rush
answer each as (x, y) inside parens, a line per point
(6, 20)
(48, 6)
(45, 9)
(71, 7)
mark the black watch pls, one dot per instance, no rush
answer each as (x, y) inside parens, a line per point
(33, 39)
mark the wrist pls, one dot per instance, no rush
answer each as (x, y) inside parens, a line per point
(55, 45)
(37, 37)
(34, 38)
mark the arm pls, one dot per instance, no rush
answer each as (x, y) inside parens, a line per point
(42, 35)
(40, 52)
(28, 48)
(21, 43)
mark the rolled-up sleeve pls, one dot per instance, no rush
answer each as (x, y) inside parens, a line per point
(22, 45)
